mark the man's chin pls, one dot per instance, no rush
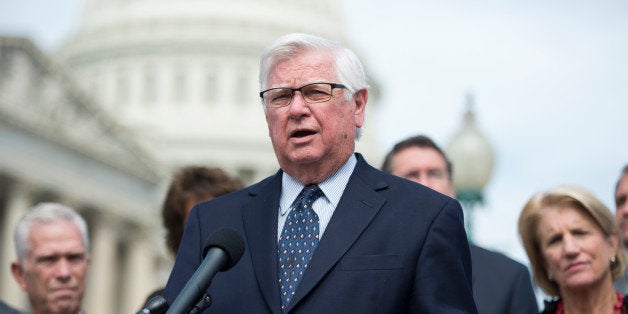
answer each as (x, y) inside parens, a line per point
(66, 305)
(304, 156)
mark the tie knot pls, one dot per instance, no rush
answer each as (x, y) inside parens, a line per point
(308, 195)
(311, 193)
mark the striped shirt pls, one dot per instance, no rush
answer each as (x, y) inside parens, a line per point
(324, 206)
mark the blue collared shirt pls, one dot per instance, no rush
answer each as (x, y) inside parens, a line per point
(324, 207)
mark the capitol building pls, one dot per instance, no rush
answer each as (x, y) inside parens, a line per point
(139, 89)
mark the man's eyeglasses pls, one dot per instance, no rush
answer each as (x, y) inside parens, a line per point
(311, 93)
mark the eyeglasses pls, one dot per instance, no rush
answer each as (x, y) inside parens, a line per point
(311, 93)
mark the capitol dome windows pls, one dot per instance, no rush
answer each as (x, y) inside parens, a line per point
(209, 89)
(180, 93)
(242, 87)
(150, 87)
(122, 88)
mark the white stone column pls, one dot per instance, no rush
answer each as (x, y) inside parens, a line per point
(18, 203)
(100, 296)
(139, 278)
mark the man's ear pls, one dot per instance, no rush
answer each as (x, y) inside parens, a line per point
(360, 97)
(18, 274)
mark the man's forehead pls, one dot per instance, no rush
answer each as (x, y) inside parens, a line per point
(302, 69)
(422, 155)
(624, 180)
(51, 237)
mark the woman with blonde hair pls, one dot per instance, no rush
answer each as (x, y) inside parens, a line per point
(572, 241)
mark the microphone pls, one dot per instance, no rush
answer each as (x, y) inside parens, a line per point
(223, 250)
(155, 305)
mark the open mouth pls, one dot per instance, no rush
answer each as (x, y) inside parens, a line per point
(303, 133)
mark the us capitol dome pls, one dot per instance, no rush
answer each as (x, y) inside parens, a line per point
(183, 75)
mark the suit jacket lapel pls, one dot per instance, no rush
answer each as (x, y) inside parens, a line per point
(260, 225)
(358, 206)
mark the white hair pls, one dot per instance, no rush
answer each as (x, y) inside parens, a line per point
(348, 67)
(44, 213)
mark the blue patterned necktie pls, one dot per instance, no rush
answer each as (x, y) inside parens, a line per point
(298, 241)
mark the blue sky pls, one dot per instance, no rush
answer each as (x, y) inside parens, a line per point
(549, 77)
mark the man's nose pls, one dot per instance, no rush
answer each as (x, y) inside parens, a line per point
(298, 103)
(424, 179)
(63, 269)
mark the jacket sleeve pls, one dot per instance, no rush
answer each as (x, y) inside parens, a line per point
(442, 283)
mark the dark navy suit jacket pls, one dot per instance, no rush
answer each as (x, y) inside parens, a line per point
(391, 246)
(6, 309)
(500, 284)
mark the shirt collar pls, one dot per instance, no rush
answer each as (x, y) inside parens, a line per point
(333, 187)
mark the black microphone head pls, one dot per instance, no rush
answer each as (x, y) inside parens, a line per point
(155, 305)
(229, 241)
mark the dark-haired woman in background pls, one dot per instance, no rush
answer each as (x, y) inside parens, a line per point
(189, 186)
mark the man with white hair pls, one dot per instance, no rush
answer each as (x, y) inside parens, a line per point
(328, 233)
(51, 243)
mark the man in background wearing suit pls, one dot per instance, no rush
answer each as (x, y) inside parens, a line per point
(500, 284)
(328, 233)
